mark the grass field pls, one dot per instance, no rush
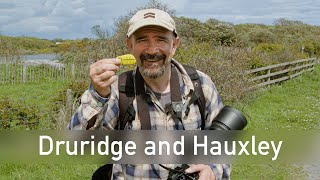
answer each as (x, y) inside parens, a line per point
(32, 94)
(294, 104)
(33, 98)
(47, 171)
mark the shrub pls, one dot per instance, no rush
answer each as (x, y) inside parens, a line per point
(267, 54)
(78, 87)
(225, 66)
(309, 48)
(190, 51)
(17, 116)
(259, 35)
(268, 48)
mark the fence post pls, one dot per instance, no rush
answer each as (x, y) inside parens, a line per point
(14, 73)
(72, 70)
(0, 73)
(24, 73)
(69, 104)
(8, 72)
(269, 70)
(313, 62)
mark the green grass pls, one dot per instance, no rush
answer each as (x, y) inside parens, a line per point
(47, 171)
(293, 105)
(34, 100)
(38, 94)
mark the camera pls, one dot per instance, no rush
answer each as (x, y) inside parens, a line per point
(179, 174)
(228, 118)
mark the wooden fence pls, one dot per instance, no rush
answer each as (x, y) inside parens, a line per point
(264, 75)
(280, 72)
(15, 73)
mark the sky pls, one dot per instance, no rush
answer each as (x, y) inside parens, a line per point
(73, 19)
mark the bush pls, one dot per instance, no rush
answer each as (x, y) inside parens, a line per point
(269, 48)
(60, 114)
(78, 87)
(190, 51)
(225, 66)
(266, 54)
(311, 47)
(16, 116)
(262, 36)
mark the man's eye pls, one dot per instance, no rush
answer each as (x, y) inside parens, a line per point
(141, 40)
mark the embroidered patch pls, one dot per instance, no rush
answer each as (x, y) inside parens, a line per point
(149, 15)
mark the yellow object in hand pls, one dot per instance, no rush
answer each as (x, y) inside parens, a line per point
(127, 59)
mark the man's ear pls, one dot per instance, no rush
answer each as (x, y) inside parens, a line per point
(176, 43)
(129, 44)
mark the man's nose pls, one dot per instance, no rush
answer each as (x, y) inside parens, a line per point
(152, 48)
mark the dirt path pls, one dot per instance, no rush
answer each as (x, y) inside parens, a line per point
(312, 171)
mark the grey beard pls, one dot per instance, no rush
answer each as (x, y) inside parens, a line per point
(150, 73)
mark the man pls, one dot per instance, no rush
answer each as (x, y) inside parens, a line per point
(152, 39)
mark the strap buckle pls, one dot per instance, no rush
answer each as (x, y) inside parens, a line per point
(177, 107)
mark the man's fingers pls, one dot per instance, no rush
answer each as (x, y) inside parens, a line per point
(115, 61)
(112, 63)
(195, 168)
(107, 82)
(105, 76)
(103, 87)
(100, 68)
(204, 171)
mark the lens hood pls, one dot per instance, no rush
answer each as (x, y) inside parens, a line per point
(229, 118)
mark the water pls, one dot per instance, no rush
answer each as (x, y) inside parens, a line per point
(40, 57)
(37, 57)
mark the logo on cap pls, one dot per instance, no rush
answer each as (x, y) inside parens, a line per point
(149, 15)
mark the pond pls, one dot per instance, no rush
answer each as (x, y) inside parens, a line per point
(37, 57)
(42, 57)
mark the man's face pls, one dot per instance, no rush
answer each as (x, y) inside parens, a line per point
(153, 47)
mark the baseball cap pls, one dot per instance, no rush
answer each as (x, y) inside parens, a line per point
(151, 17)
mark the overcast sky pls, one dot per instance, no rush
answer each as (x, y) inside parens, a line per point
(71, 19)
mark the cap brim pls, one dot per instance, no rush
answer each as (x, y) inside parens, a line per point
(149, 23)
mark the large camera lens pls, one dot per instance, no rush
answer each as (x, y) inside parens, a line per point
(229, 118)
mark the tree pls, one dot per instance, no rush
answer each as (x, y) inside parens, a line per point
(99, 32)
(286, 22)
(109, 44)
(121, 24)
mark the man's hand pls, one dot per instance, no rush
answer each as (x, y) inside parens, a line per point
(103, 74)
(205, 172)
